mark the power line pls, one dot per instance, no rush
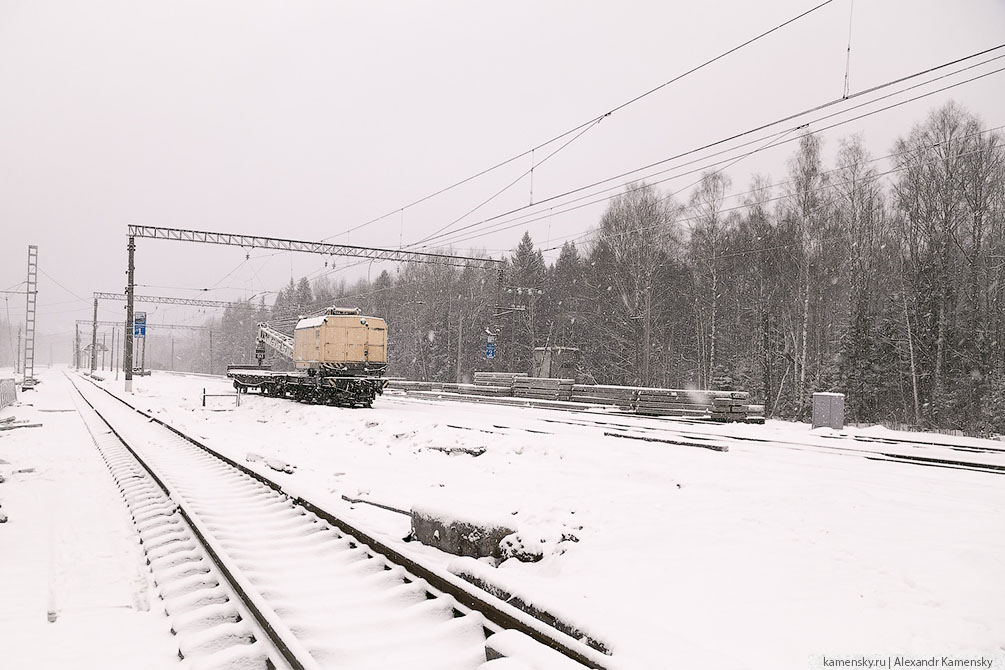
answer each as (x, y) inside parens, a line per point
(824, 173)
(61, 286)
(507, 187)
(288, 317)
(522, 220)
(592, 121)
(826, 187)
(760, 128)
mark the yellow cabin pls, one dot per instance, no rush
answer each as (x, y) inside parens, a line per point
(341, 341)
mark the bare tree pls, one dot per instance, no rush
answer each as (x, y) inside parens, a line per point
(806, 209)
(709, 230)
(640, 228)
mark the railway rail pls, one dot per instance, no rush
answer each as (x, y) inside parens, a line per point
(253, 576)
(712, 439)
(693, 433)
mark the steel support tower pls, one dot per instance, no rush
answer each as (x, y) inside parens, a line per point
(29, 318)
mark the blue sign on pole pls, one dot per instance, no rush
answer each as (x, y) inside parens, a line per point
(140, 324)
(490, 350)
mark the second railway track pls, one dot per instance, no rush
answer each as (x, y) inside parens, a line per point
(322, 597)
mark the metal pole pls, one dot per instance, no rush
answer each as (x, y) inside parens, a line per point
(172, 353)
(460, 340)
(211, 352)
(17, 362)
(94, 338)
(76, 347)
(143, 355)
(127, 350)
(103, 351)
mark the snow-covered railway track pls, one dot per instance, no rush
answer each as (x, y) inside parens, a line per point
(702, 433)
(310, 591)
(912, 452)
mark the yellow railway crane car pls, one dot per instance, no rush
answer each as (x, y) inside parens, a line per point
(339, 359)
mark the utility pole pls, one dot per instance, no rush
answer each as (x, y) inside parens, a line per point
(647, 350)
(143, 356)
(76, 347)
(211, 352)
(172, 353)
(17, 363)
(460, 340)
(94, 338)
(127, 350)
(103, 352)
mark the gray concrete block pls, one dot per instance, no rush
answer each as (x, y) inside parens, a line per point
(455, 534)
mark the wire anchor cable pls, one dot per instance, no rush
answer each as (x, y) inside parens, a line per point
(847, 62)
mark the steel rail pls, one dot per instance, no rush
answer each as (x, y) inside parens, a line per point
(280, 637)
(952, 464)
(499, 615)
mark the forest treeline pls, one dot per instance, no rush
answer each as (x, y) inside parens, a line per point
(881, 277)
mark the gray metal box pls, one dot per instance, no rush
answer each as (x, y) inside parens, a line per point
(828, 410)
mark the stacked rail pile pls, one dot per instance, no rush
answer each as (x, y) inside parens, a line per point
(623, 397)
(503, 379)
(719, 405)
(447, 387)
(673, 402)
(475, 389)
(408, 385)
(725, 406)
(539, 388)
(729, 405)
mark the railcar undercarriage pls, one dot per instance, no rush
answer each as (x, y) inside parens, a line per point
(309, 388)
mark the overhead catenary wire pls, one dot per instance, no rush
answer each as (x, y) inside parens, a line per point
(767, 187)
(592, 121)
(825, 188)
(509, 186)
(453, 239)
(822, 189)
(513, 223)
(61, 286)
(847, 62)
(791, 117)
(524, 221)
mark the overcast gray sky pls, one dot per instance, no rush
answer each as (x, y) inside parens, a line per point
(305, 119)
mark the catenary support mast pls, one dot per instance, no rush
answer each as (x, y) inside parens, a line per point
(127, 351)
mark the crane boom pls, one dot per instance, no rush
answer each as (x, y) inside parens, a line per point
(283, 344)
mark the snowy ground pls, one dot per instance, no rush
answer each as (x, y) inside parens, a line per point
(755, 558)
(68, 549)
(687, 557)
